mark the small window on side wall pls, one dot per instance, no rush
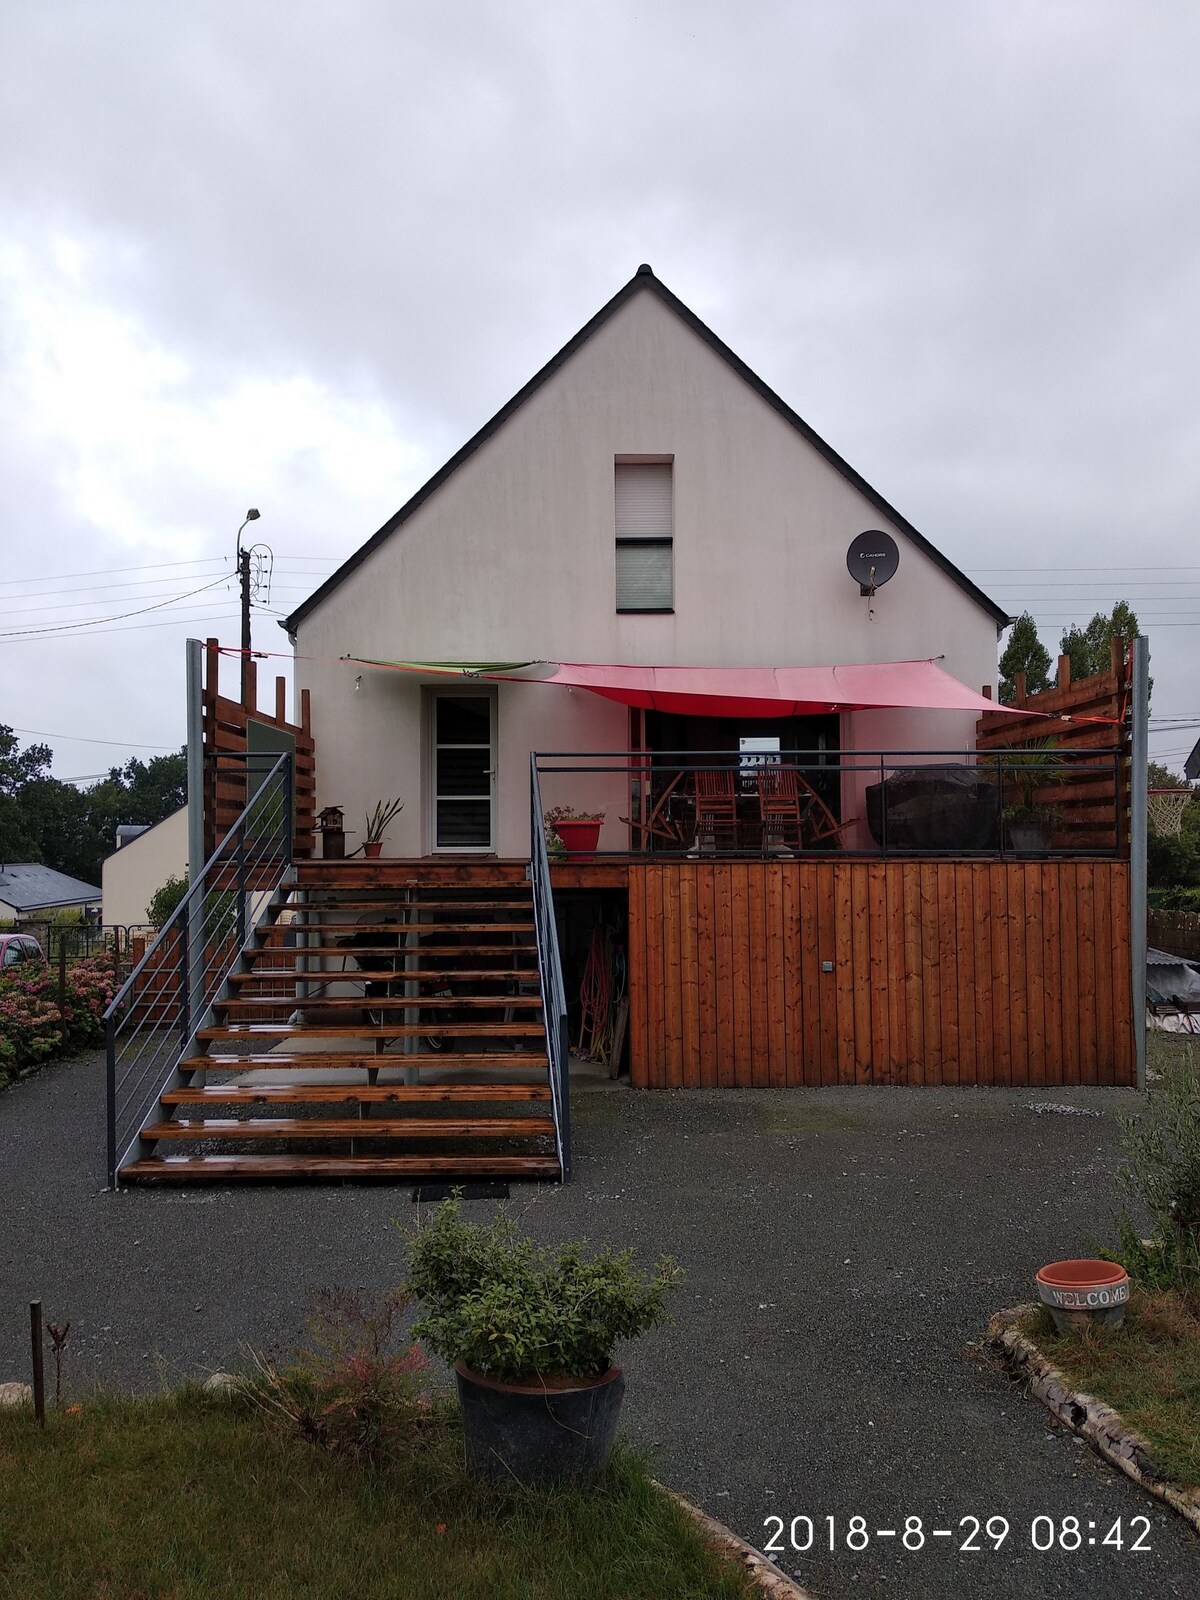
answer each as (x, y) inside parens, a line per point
(645, 536)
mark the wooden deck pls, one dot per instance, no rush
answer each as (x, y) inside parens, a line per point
(948, 972)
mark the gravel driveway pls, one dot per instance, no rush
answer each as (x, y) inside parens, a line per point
(843, 1251)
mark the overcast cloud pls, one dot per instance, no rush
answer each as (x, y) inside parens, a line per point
(292, 255)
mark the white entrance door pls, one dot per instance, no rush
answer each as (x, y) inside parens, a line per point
(464, 770)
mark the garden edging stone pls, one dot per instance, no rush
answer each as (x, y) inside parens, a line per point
(763, 1573)
(1092, 1419)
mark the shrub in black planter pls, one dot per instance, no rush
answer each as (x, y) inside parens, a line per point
(531, 1334)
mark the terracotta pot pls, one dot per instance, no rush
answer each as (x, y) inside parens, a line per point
(545, 1429)
(581, 837)
(1084, 1294)
(372, 848)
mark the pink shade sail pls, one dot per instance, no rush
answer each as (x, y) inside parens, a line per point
(776, 691)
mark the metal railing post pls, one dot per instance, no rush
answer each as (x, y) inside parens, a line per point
(110, 1096)
(564, 1092)
(1138, 845)
(184, 957)
(241, 886)
(883, 808)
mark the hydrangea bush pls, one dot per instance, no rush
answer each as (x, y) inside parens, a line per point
(33, 1029)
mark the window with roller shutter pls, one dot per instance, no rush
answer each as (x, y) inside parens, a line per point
(645, 536)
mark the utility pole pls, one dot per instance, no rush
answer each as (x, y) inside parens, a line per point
(243, 566)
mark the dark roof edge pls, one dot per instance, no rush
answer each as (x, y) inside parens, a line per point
(644, 279)
(468, 449)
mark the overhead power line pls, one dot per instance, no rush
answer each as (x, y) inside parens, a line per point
(79, 738)
(64, 627)
(130, 627)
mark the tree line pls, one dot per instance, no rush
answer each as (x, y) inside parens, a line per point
(70, 829)
(1088, 648)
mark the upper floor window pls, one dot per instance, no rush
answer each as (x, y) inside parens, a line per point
(645, 535)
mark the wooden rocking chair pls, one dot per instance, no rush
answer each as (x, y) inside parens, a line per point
(793, 813)
(782, 807)
(716, 811)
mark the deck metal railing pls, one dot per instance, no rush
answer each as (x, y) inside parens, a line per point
(554, 1001)
(1032, 801)
(154, 1017)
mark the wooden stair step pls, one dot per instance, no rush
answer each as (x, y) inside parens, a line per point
(382, 975)
(350, 1128)
(414, 874)
(338, 1061)
(208, 1169)
(353, 952)
(333, 1093)
(360, 1030)
(403, 906)
(398, 927)
(364, 1002)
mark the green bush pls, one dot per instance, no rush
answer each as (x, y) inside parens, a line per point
(1162, 1172)
(164, 901)
(500, 1305)
(33, 1029)
(1176, 899)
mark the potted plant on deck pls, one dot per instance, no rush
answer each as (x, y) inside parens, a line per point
(1027, 824)
(579, 831)
(377, 820)
(531, 1335)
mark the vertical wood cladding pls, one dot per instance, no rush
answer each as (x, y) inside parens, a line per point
(943, 972)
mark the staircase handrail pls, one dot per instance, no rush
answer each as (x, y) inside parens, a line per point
(246, 861)
(554, 1002)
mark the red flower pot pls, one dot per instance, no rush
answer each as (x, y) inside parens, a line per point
(372, 848)
(580, 838)
(1082, 1294)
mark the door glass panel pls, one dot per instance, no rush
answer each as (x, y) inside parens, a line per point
(464, 824)
(464, 719)
(463, 768)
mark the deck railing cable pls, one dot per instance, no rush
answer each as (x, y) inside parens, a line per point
(554, 1002)
(154, 1017)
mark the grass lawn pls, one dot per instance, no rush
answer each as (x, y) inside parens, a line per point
(1149, 1371)
(184, 1495)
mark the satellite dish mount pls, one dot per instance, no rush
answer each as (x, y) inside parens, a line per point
(871, 561)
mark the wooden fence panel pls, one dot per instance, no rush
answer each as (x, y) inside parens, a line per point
(990, 973)
(226, 726)
(1091, 796)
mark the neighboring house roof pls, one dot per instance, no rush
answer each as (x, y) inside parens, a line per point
(29, 886)
(645, 281)
(128, 831)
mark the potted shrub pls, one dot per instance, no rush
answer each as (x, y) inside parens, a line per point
(1027, 824)
(578, 831)
(531, 1335)
(385, 811)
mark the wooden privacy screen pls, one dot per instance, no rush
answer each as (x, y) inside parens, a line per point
(946, 972)
(1092, 798)
(227, 732)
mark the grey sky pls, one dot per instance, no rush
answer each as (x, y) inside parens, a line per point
(292, 255)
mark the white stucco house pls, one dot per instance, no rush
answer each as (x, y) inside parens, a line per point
(144, 860)
(644, 501)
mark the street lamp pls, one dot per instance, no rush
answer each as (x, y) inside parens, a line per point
(243, 567)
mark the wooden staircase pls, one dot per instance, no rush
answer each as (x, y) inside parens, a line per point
(386, 1024)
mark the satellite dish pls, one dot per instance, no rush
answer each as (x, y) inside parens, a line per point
(872, 559)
